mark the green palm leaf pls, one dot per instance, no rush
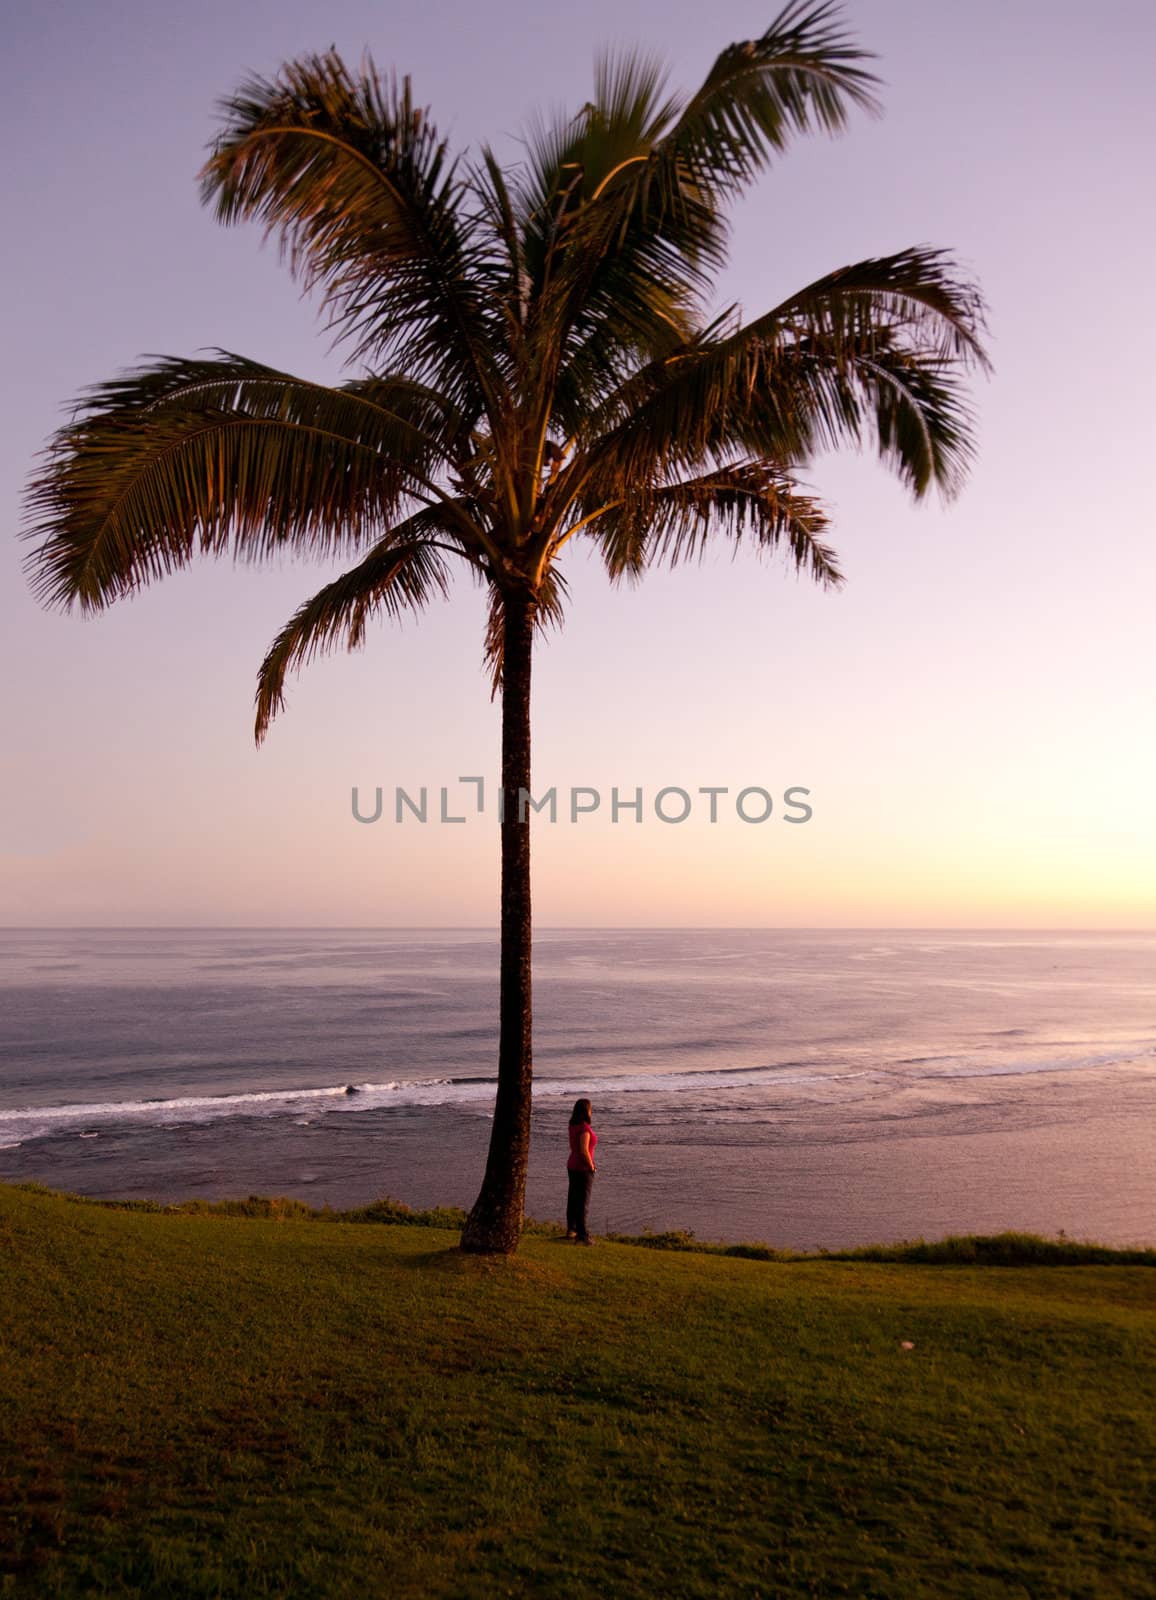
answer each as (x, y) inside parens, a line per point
(678, 521)
(402, 573)
(876, 352)
(181, 457)
(800, 76)
(624, 216)
(368, 206)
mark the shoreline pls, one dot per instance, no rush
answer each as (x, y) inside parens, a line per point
(1075, 1162)
(1006, 1249)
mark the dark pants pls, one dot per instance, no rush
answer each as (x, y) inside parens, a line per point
(578, 1202)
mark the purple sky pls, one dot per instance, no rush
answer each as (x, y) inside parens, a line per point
(973, 713)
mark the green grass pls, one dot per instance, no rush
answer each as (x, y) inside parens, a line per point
(259, 1400)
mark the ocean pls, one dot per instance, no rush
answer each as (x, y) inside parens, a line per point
(808, 1089)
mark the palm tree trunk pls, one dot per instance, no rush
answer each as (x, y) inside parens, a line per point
(494, 1225)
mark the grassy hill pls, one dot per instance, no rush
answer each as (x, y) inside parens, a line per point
(200, 1403)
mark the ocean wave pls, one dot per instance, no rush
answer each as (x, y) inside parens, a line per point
(475, 1093)
(965, 1068)
(196, 1108)
(352, 1098)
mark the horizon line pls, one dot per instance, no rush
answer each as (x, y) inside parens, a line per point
(559, 927)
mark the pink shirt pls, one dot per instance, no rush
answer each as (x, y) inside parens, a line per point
(575, 1161)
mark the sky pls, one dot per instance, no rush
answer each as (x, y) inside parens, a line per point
(972, 715)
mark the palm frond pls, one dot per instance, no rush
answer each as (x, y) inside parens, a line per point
(800, 76)
(609, 278)
(186, 456)
(675, 522)
(919, 293)
(511, 291)
(920, 418)
(875, 352)
(402, 573)
(641, 233)
(370, 209)
(550, 612)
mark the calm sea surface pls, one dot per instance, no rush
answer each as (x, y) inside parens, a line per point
(808, 1089)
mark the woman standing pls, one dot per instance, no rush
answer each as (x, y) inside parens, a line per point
(580, 1167)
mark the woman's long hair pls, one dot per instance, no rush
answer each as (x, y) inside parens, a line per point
(580, 1113)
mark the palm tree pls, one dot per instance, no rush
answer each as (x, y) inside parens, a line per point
(537, 361)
